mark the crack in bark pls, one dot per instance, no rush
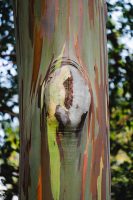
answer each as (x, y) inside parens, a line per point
(68, 85)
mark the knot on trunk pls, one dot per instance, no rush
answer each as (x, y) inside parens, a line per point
(66, 96)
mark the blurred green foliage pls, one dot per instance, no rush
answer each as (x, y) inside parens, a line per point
(9, 133)
(9, 161)
(119, 34)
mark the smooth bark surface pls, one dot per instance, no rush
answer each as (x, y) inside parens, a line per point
(63, 84)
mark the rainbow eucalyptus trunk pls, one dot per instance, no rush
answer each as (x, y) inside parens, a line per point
(62, 61)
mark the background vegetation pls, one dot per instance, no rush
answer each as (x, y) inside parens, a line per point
(119, 33)
(9, 137)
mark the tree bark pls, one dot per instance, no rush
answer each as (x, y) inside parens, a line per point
(63, 87)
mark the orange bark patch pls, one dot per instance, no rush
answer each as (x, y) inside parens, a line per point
(85, 160)
(91, 11)
(77, 49)
(43, 7)
(39, 187)
(38, 41)
(95, 167)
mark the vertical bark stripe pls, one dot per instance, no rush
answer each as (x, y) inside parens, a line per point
(85, 160)
(39, 187)
(38, 41)
(31, 20)
(91, 11)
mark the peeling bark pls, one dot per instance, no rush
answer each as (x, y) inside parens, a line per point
(63, 83)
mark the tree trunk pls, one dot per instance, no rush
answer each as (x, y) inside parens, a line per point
(63, 87)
